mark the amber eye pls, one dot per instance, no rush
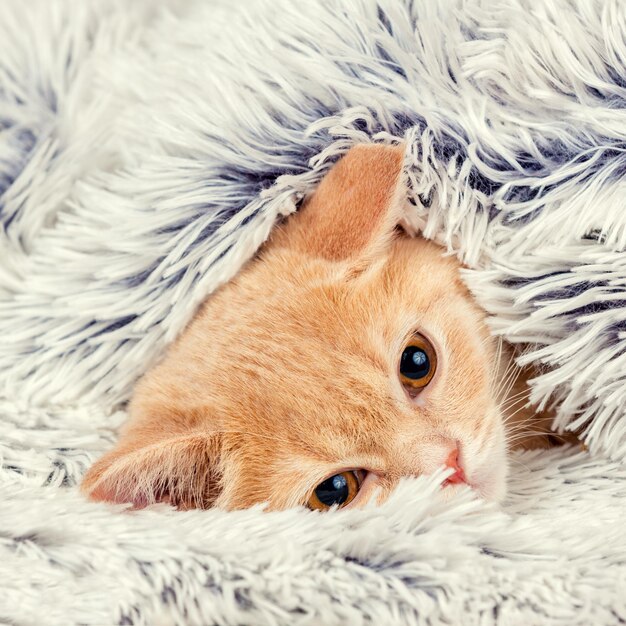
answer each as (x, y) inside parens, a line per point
(418, 363)
(339, 489)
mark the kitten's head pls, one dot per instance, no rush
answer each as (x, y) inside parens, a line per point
(346, 356)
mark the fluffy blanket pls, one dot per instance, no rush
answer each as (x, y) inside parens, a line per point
(147, 148)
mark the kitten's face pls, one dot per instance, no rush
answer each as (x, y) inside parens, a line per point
(367, 361)
(305, 370)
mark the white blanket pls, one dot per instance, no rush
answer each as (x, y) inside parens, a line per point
(147, 148)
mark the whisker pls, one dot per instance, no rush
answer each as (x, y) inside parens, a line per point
(509, 379)
(529, 419)
(514, 402)
(523, 392)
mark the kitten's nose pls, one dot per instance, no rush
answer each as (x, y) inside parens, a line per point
(453, 463)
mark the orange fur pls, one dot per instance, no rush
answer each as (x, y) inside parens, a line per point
(289, 373)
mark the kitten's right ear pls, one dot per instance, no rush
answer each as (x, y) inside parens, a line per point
(354, 212)
(182, 470)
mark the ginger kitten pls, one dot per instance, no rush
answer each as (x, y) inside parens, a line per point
(344, 357)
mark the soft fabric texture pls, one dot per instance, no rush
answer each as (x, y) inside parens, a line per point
(146, 149)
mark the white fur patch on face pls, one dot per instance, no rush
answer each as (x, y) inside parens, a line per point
(486, 461)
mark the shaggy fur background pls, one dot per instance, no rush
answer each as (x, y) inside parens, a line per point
(146, 150)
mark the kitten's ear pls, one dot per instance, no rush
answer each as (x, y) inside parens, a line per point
(182, 470)
(355, 209)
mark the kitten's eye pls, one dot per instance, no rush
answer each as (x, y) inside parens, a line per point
(418, 363)
(339, 489)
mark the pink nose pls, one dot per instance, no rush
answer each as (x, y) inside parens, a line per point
(453, 463)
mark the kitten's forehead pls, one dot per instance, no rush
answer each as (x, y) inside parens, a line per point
(317, 333)
(315, 360)
(319, 370)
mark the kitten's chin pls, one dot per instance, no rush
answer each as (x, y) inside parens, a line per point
(493, 486)
(488, 472)
(490, 478)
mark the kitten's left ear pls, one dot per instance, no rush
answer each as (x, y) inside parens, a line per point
(355, 209)
(145, 468)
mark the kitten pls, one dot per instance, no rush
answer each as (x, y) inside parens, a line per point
(344, 357)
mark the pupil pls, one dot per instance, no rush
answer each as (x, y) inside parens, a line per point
(414, 363)
(333, 490)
